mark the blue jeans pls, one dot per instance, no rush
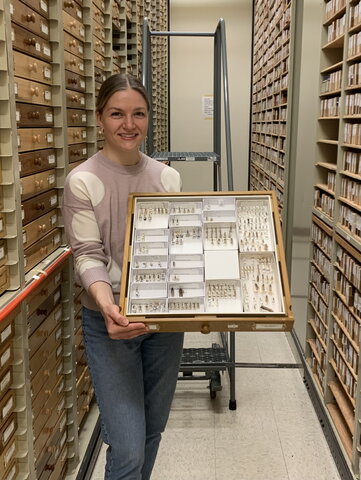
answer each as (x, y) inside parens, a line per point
(134, 382)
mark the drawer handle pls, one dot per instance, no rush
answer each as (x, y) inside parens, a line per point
(72, 43)
(72, 62)
(34, 91)
(42, 228)
(75, 153)
(36, 138)
(43, 250)
(30, 18)
(33, 67)
(40, 206)
(30, 41)
(74, 98)
(37, 161)
(39, 184)
(75, 116)
(72, 24)
(34, 115)
(76, 135)
(41, 311)
(69, 4)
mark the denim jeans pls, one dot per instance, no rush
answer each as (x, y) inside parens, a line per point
(134, 382)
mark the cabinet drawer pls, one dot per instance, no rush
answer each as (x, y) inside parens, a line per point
(98, 30)
(32, 92)
(8, 455)
(73, 45)
(41, 6)
(77, 152)
(50, 345)
(35, 138)
(4, 278)
(75, 99)
(98, 15)
(7, 406)
(100, 4)
(44, 382)
(35, 230)
(28, 42)
(2, 225)
(99, 75)
(40, 250)
(46, 288)
(73, 63)
(29, 18)
(3, 252)
(37, 183)
(73, 26)
(6, 330)
(7, 432)
(98, 45)
(59, 467)
(6, 379)
(74, 165)
(73, 9)
(43, 310)
(74, 81)
(76, 135)
(116, 68)
(6, 356)
(39, 205)
(99, 61)
(37, 161)
(76, 117)
(28, 115)
(48, 327)
(32, 69)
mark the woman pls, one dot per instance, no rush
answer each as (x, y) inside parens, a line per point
(134, 372)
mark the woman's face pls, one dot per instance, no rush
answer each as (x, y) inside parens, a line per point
(124, 120)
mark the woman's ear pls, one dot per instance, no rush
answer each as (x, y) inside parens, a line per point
(99, 121)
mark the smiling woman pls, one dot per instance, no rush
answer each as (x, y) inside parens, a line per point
(134, 372)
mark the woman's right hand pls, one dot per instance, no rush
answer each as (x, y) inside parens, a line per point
(119, 327)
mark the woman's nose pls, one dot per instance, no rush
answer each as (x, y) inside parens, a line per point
(128, 121)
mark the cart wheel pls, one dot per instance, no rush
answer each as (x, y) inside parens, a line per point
(212, 392)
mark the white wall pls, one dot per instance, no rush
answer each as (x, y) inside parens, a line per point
(191, 77)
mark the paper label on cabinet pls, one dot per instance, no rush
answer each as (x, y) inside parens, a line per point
(2, 253)
(11, 9)
(8, 407)
(44, 5)
(49, 117)
(22, 213)
(53, 200)
(47, 72)
(82, 83)
(56, 239)
(12, 36)
(9, 454)
(58, 333)
(5, 381)
(44, 28)
(1, 225)
(56, 296)
(49, 137)
(25, 261)
(24, 238)
(46, 51)
(9, 431)
(83, 119)
(47, 95)
(62, 441)
(60, 367)
(53, 219)
(82, 32)
(80, 49)
(82, 100)
(61, 386)
(51, 159)
(19, 166)
(5, 357)
(21, 188)
(51, 179)
(16, 88)
(38, 47)
(84, 151)
(19, 142)
(57, 317)
(6, 333)
(17, 116)
(81, 67)
(79, 13)
(83, 134)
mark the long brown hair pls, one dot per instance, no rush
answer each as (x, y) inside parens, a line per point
(116, 83)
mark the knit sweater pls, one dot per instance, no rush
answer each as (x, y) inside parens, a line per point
(94, 208)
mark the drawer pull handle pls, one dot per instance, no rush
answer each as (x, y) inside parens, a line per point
(30, 18)
(76, 135)
(74, 98)
(72, 25)
(69, 4)
(37, 161)
(72, 61)
(40, 206)
(36, 138)
(75, 116)
(34, 91)
(43, 250)
(33, 67)
(41, 228)
(72, 43)
(30, 41)
(34, 115)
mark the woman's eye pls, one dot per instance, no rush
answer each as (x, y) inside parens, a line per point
(116, 114)
(140, 114)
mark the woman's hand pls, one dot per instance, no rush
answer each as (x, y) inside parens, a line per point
(119, 327)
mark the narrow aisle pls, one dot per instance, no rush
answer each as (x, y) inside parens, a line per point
(273, 435)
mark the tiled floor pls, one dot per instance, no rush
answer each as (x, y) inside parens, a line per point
(273, 435)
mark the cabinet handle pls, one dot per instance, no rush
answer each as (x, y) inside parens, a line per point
(74, 98)
(40, 206)
(72, 24)
(72, 43)
(37, 161)
(30, 41)
(75, 116)
(30, 17)
(36, 138)
(34, 115)
(76, 135)
(34, 91)
(69, 4)
(33, 67)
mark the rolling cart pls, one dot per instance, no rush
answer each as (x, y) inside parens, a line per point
(218, 358)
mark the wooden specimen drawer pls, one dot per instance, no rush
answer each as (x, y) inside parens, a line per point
(45, 289)
(39, 205)
(99, 75)
(28, 18)
(7, 431)
(37, 183)
(7, 406)
(50, 326)
(44, 439)
(73, 63)
(76, 135)
(3, 252)
(85, 407)
(40, 250)
(74, 81)
(100, 4)
(98, 30)
(6, 331)
(32, 92)
(32, 69)
(34, 115)
(35, 138)
(7, 457)
(116, 68)
(6, 379)
(77, 152)
(52, 343)
(54, 461)
(98, 45)
(78, 319)
(58, 468)
(6, 356)
(44, 382)
(35, 230)
(41, 6)
(40, 423)
(36, 161)
(4, 278)
(73, 9)
(29, 43)
(74, 165)
(99, 61)
(76, 117)
(98, 15)
(75, 99)
(83, 384)
(73, 45)
(44, 309)
(11, 473)
(2, 225)
(73, 26)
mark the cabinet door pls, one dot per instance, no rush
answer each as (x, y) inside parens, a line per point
(35, 138)
(29, 43)
(73, 26)
(73, 63)
(37, 183)
(33, 231)
(29, 18)
(32, 92)
(75, 99)
(76, 135)
(77, 152)
(32, 68)
(76, 117)
(28, 115)
(74, 81)
(39, 205)
(40, 250)
(73, 45)
(37, 161)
